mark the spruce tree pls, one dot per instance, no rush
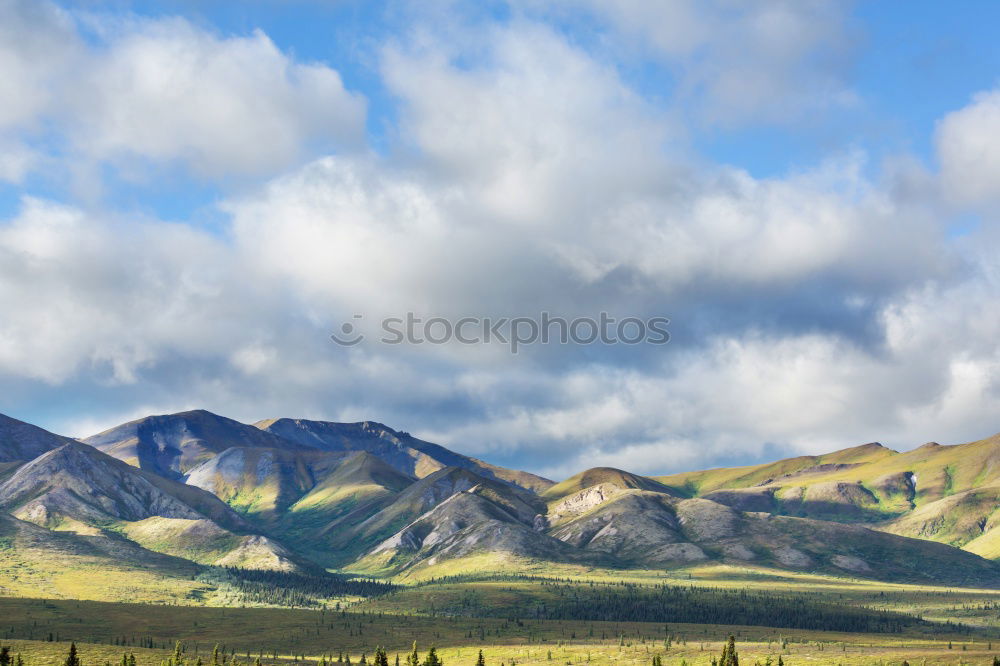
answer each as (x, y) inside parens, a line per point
(73, 659)
(413, 659)
(4, 656)
(481, 661)
(729, 654)
(432, 658)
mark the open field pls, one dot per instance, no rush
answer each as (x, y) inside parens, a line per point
(975, 607)
(529, 645)
(444, 614)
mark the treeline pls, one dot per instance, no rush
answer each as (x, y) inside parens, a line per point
(282, 588)
(625, 602)
(490, 578)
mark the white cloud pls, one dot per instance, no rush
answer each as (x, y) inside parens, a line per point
(566, 191)
(741, 63)
(163, 92)
(532, 123)
(38, 47)
(87, 293)
(937, 377)
(968, 145)
(167, 91)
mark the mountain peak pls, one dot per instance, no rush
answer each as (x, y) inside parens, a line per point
(869, 452)
(172, 444)
(407, 454)
(20, 441)
(603, 475)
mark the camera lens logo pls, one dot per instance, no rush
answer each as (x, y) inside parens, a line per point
(348, 336)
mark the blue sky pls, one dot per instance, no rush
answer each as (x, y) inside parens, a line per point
(193, 195)
(910, 62)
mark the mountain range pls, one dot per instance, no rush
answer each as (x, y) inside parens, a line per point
(174, 494)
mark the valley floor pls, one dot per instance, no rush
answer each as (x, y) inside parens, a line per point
(700, 645)
(40, 629)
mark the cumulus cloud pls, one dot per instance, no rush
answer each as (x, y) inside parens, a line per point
(744, 397)
(572, 192)
(86, 293)
(741, 63)
(167, 91)
(968, 145)
(38, 47)
(163, 92)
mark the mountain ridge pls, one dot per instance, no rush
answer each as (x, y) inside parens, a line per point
(362, 497)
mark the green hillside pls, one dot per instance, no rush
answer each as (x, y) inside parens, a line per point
(949, 494)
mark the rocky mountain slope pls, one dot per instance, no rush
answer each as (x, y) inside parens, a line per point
(172, 444)
(76, 488)
(402, 451)
(289, 494)
(21, 442)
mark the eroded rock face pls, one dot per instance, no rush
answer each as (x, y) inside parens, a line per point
(466, 523)
(902, 484)
(80, 482)
(683, 552)
(850, 563)
(259, 552)
(634, 527)
(706, 520)
(745, 499)
(738, 551)
(791, 557)
(583, 501)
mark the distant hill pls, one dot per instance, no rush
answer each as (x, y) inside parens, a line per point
(619, 525)
(949, 494)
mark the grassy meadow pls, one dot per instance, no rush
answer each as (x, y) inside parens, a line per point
(248, 634)
(444, 614)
